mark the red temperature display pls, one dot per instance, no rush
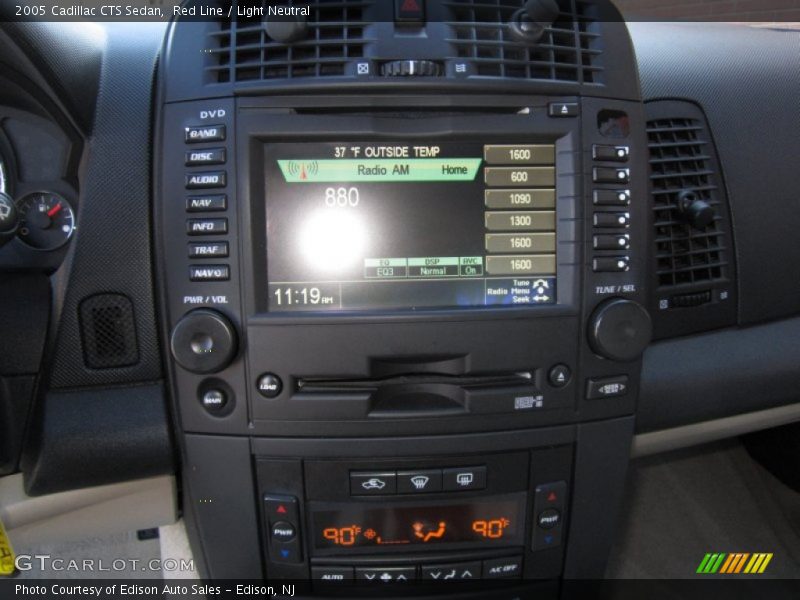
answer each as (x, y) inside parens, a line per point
(496, 521)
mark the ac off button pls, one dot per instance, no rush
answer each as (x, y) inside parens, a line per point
(269, 385)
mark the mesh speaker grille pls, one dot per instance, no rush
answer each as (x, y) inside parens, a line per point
(108, 332)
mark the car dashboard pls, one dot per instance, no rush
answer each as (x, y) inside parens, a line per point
(395, 290)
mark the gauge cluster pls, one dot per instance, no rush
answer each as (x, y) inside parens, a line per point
(37, 197)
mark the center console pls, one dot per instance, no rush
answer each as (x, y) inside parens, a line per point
(405, 313)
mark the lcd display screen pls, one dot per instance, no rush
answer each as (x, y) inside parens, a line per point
(476, 523)
(370, 226)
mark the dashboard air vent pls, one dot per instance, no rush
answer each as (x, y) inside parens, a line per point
(681, 165)
(694, 279)
(567, 52)
(240, 49)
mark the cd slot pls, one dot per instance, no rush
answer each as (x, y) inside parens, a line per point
(425, 395)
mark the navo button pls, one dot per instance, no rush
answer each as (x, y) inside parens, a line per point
(269, 385)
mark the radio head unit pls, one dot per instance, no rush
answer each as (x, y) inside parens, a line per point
(408, 225)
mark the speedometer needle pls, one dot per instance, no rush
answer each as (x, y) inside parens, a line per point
(54, 211)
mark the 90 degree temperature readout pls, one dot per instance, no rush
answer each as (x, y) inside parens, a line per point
(479, 523)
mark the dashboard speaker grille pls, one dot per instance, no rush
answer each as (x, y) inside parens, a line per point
(682, 160)
(568, 51)
(108, 332)
(240, 50)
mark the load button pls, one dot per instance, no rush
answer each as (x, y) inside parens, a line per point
(269, 385)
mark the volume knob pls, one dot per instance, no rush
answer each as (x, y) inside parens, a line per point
(204, 341)
(620, 330)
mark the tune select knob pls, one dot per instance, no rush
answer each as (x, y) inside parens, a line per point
(620, 330)
(204, 341)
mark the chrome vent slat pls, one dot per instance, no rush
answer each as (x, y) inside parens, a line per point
(680, 160)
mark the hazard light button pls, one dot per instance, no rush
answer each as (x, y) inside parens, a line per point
(409, 11)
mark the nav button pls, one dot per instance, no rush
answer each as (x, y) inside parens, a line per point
(213, 202)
